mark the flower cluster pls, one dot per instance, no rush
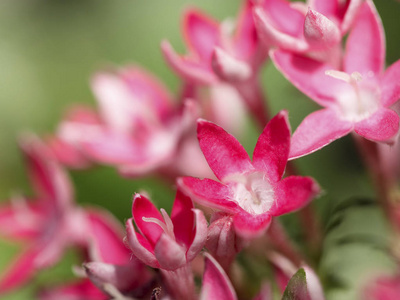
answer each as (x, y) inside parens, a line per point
(227, 204)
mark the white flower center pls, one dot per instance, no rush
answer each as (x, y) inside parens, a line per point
(360, 100)
(253, 192)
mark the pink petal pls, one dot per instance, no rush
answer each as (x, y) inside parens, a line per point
(308, 76)
(189, 69)
(183, 219)
(390, 85)
(250, 226)
(365, 47)
(271, 36)
(228, 67)
(67, 154)
(223, 152)
(20, 271)
(22, 220)
(136, 245)
(382, 126)
(350, 14)
(284, 17)
(201, 33)
(125, 277)
(293, 193)
(49, 180)
(200, 235)
(108, 234)
(169, 253)
(317, 130)
(320, 32)
(81, 290)
(246, 40)
(272, 148)
(142, 207)
(209, 193)
(325, 7)
(216, 284)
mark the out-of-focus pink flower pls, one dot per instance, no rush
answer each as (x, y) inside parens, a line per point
(51, 222)
(315, 28)
(138, 128)
(383, 288)
(216, 55)
(166, 242)
(356, 98)
(252, 191)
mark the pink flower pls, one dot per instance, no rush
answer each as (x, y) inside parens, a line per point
(383, 288)
(51, 222)
(315, 28)
(355, 99)
(136, 115)
(216, 55)
(252, 191)
(166, 242)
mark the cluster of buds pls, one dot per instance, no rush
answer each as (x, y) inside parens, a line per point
(331, 50)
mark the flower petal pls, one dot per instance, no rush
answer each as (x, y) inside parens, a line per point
(136, 245)
(382, 126)
(209, 193)
(183, 219)
(228, 67)
(223, 152)
(320, 32)
(271, 36)
(293, 193)
(272, 148)
(200, 235)
(390, 85)
(365, 47)
(79, 290)
(201, 33)
(317, 130)
(308, 76)
(142, 207)
(216, 284)
(107, 234)
(250, 226)
(169, 253)
(189, 69)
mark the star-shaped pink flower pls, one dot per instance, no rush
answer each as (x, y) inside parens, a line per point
(355, 98)
(252, 191)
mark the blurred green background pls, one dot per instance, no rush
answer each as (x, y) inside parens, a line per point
(50, 48)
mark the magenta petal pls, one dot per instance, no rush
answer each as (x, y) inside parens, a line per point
(365, 47)
(317, 130)
(84, 289)
(284, 17)
(201, 33)
(142, 207)
(293, 193)
(350, 14)
(183, 219)
(23, 222)
(382, 126)
(308, 76)
(216, 284)
(390, 85)
(137, 248)
(272, 148)
(246, 40)
(228, 67)
(50, 181)
(200, 235)
(250, 226)
(223, 152)
(169, 253)
(20, 271)
(209, 193)
(187, 68)
(107, 235)
(273, 36)
(320, 32)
